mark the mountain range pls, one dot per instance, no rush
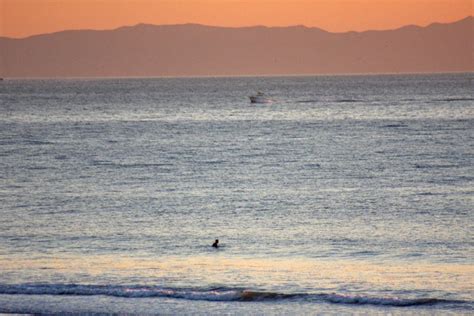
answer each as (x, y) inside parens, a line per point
(199, 50)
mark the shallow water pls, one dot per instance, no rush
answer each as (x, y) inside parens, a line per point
(345, 194)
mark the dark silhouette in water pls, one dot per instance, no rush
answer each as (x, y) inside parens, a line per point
(215, 244)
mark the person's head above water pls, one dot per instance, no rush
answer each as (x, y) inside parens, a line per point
(215, 243)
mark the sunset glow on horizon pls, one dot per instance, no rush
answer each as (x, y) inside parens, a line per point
(22, 18)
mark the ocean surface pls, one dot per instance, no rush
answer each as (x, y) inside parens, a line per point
(346, 194)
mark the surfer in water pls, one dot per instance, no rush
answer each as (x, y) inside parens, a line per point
(215, 244)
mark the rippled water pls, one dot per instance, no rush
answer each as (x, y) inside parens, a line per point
(345, 194)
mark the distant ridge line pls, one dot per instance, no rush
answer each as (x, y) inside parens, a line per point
(146, 50)
(238, 27)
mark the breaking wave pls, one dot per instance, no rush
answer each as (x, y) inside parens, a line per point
(212, 294)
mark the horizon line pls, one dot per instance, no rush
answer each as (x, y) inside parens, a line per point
(361, 74)
(236, 27)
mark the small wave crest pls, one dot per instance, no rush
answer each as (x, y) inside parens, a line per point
(212, 294)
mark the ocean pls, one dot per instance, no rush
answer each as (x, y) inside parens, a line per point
(344, 195)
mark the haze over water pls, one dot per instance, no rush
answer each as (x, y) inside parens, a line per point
(346, 194)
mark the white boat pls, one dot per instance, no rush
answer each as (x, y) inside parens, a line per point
(260, 97)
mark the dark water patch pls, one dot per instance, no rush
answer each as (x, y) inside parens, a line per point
(22, 206)
(413, 255)
(212, 162)
(256, 155)
(14, 186)
(271, 165)
(338, 241)
(37, 142)
(60, 157)
(143, 165)
(102, 163)
(217, 294)
(466, 178)
(444, 180)
(453, 99)
(142, 178)
(394, 126)
(7, 142)
(364, 253)
(348, 101)
(307, 101)
(429, 194)
(57, 212)
(105, 163)
(39, 168)
(312, 166)
(429, 166)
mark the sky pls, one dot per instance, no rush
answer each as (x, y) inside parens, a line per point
(22, 18)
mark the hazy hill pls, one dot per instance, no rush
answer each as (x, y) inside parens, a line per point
(193, 50)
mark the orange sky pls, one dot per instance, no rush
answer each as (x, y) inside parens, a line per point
(20, 18)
